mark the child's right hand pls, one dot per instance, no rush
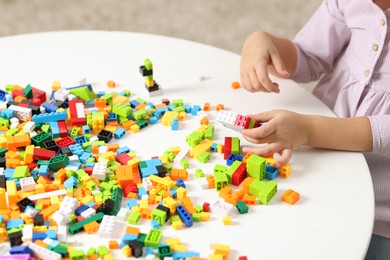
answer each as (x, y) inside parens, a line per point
(259, 55)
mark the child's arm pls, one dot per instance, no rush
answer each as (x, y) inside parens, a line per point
(263, 53)
(284, 131)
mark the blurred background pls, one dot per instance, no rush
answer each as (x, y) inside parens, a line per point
(223, 24)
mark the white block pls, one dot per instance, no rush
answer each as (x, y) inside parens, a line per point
(108, 227)
(47, 194)
(22, 113)
(27, 183)
(99, 171)
(88, 213)
(29, 126)
(61, 94)
(203, 183)
(68, 206)
(220, 206)
(43, 253)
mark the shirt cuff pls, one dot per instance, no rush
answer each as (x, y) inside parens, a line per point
(380, 127)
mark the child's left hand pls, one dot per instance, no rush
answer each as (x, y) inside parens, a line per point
(283, 131)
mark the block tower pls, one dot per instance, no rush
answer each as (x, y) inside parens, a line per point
(146, 71)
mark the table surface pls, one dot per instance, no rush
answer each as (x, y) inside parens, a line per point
(332, 220)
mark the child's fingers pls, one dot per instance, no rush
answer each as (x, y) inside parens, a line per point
(262, 151)
(259, 132)
(264, 116)
(286, 155)
(263, 77)
(278, 63)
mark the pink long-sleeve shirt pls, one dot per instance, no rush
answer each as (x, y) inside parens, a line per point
(346, 45)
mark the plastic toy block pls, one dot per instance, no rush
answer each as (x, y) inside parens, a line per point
(285, 170)
(263, 191)
(153, 238)
(255, 167)
(236, 85)
(227, 220)
(108, 227)
(134, 218)
(122, 110)
(40, 138)
(50, 117)
(102, 251)
(242, 207)
(222, 207)
(271, 172)
(58, 162)
(85, 92)
(78, 226)
(21, 113)
(290, 196)
(184, 216)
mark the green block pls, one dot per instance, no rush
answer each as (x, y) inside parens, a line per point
(40, 138)
(134, 218)
(75, 132)
(76, 254)
(199, 173)
(174, 218)
(11, 132)
(220, 168)
(79, 226)
(142, 123)
(159, 215)
(140, 100)
(27, 92)
(164, 250)
(126, 93)
(102, 251)
(194, 138)
(9, 87)
(58, 162)
(198, 208)
(242, 207)
(21, 172)
(141, 237)
(117, 195)
(148, 64)
(179, 109)
(204, 157)
(140, 114)
(184, 163)
(232, 169)
(221, 180)
(153, 238)
(235, 145)
(177, 102)
(45, 128)
(61, 250)
(255, 167)
(122, 110)
(196, 217)
(107, 98)
(85, 92)
(91, 251)
(264, 191)
(4, 122)
(170, 155)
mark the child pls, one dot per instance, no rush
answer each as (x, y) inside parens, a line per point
(346, 46)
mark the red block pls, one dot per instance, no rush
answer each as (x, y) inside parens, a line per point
(39, 94)
(239, 175)
(227, 147)
(131, 187)
(43, 154)
(123, 158)
(62, 128)
(66, 141)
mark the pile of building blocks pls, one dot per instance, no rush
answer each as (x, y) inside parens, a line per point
(59, 175)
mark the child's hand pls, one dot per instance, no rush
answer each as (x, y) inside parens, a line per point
(282, 130)
(258, 56)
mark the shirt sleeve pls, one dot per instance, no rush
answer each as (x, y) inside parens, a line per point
(380, 126)
(321, 41)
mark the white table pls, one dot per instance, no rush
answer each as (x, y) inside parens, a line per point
(332, 220)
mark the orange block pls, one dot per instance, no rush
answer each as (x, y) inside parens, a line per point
(220, 107)
(206, 106)
(133, 230)
(290, 196)
(236, 85)
(46, 213)
(204, 121)
(246, 183)
(225, 192)
(113, 244)
(91, 227)
(111, 84)
(22, 140)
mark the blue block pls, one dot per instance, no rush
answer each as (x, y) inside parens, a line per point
(153, 120)
(50, 117)
(195, 109)
(150, 104)
(188, 109)
(43, 170)
(213, 148)
(123, 149)
(49, 107)
(271, 172)
(112, 117)
(119, 133)
(171, 107)
(184, 216)
(100, 94)
(89, 164)
(14, 223)
(134, 103)
(175, 124)
(80, 139)
(149, 250)
(81, 209)
(161, 110)
(2, 95)
(174, 193)
(154, 224)
(142, 191)
(7, 113)
(51, 233)
(38, 235)
(18, 250)
(76, 149)
(128, 237)
(86, 129)
(184, 255)
(232, 158)
(9, 172)
(78, 165)
(55, 131)
(84, 157)
(180, 183)
(131, 203)
(71, 182)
